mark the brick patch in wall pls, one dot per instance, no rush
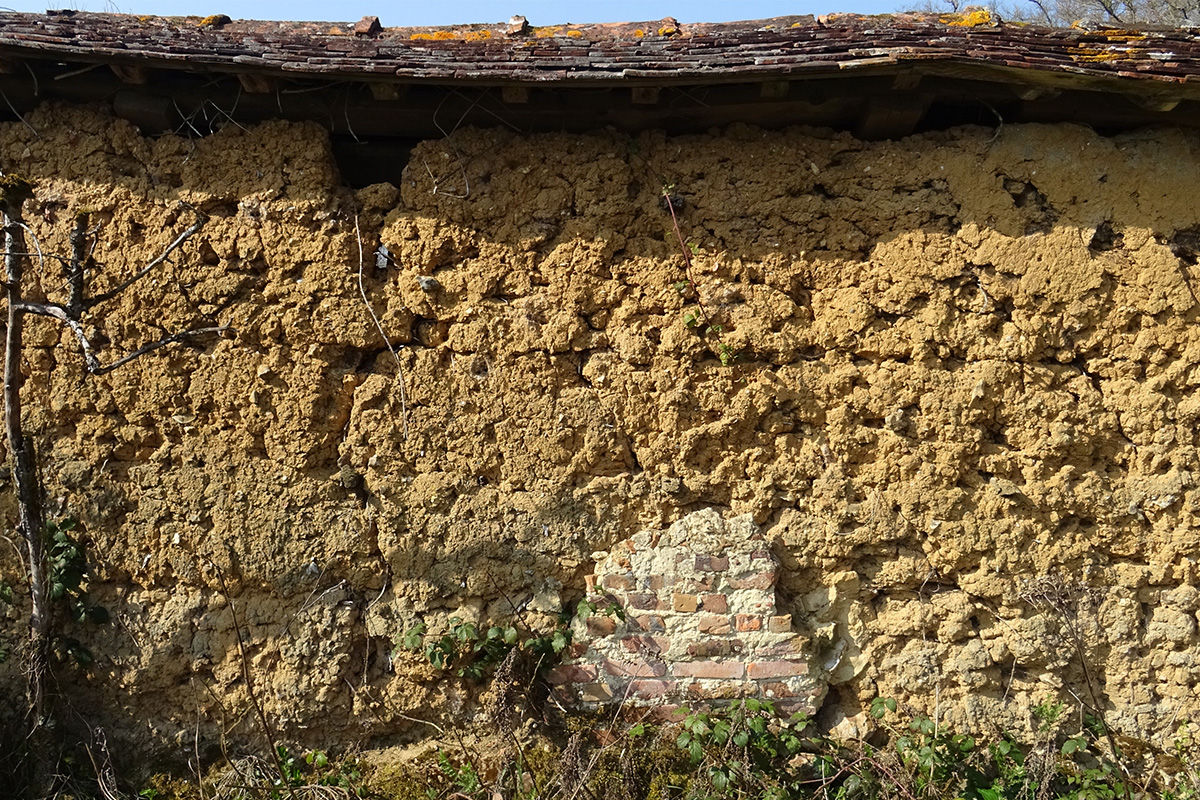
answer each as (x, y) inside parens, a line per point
(701, 624)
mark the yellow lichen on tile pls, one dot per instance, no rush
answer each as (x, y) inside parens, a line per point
(575, 34)
(437, 36)
(639, 33)
(477, 36)
(668, 30)
(1094, 57)
(971, 19)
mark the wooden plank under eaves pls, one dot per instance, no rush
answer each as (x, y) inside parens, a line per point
(891, 116)
(258, 84)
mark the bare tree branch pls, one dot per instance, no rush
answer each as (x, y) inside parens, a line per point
(14, 191)
(75, 267)
(175, 337)
(201, 219)
(94, 367)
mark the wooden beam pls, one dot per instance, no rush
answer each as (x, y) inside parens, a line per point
(387, 91)
(152, 114)
(258, 84)
(906, 80)
(774, 90)
(1158, 103)
(645, 95)
(133, 75)
(891, 116)
(1031, 93)
(515, 95)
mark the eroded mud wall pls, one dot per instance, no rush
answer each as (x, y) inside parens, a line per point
(965, 362)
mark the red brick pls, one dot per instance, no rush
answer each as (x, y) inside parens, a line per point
(621, 583)
(712, 563)
(715, 647)
(790, 707)
(781, 624)
(777, 690)
(648, 690)
(659, 582)
(577, 650)
(776, 669)
(571, 673)
(645, 644)
(589, 581)
(601, 626)
(685, 603)
(640, 669)
(709, 669)
(714, 603)
(704, 583)
(665, 713)
(644, 602)
(757, 580)
(749, 622)
(789, 647)
(760, 555)
(715, 624)
(651, 623)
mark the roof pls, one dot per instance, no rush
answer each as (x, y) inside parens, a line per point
(880, 76)
(515, 52)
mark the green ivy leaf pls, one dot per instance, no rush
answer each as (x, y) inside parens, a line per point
(1073, 745)
(413, 637)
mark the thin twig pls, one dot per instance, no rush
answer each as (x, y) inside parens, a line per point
(268, 731)
(24, 121)
(724, 353)
(379, 325)
(94, 367)
(201, 219)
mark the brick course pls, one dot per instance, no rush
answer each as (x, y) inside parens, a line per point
(713, 634)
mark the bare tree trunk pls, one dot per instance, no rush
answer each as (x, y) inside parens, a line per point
(24, 462)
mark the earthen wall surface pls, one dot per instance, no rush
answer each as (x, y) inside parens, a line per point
(962, 412)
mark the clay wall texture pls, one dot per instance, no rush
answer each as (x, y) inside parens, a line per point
(963, 413)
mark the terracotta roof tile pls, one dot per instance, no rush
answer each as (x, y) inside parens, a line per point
(510, 52)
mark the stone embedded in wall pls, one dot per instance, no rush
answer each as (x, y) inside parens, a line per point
(700, 623)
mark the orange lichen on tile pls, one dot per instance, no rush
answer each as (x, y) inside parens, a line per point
(436, 36)
(639, 33)
(477, 36)
(668, 30)
(575, 34)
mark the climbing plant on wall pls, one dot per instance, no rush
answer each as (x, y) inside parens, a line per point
(54, 560)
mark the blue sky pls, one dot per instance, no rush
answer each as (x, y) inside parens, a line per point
(539, 12)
